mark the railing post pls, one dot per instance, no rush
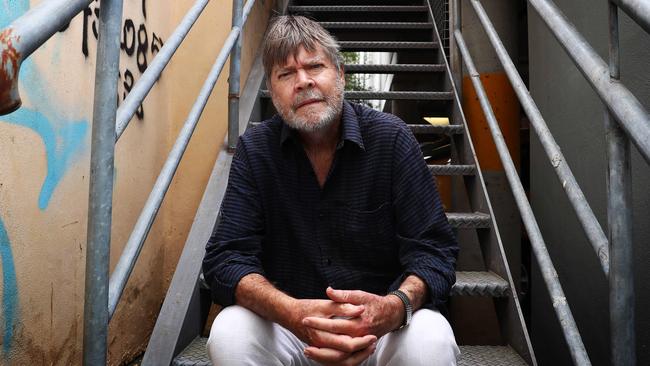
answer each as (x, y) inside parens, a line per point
(101, 184)
(233, 79)
(454, 55)
(619, 217)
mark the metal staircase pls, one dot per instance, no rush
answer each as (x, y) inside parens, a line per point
(422, 87)
(484, 308)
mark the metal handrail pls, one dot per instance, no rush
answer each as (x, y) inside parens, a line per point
(142, 227)
(144, 84)
(627, 109)
(100, 202)
(619, 219)
(625, 120)
(583, 211)
(21, 38)
(562, 310)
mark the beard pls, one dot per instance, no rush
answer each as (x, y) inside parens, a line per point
(313, 120)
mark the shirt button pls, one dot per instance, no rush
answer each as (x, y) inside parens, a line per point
(328, 262)
(321, 215)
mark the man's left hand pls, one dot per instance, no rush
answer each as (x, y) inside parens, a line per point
(381, 315)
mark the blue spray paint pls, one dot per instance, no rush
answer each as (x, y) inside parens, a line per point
(9, 289)
(60, 144)
(61, 138)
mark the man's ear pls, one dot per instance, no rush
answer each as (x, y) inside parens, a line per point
(268, 83)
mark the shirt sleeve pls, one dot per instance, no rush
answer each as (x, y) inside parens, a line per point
(427, 245)
(234, 248)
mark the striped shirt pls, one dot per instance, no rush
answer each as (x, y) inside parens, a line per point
(377, 219)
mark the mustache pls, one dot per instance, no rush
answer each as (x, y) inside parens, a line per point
(307, 95)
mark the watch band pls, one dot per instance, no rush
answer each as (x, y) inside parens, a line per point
(408, 308)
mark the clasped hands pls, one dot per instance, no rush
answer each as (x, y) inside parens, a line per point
(344, 329)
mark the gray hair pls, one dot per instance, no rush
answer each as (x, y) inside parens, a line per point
(287, 33)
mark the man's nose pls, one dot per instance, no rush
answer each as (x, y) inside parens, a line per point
(303, 80)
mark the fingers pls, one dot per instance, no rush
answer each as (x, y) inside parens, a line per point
(337, 326)
(360, 356)
(342, 342)
(331, 356)
(356, 297)
(347, 310)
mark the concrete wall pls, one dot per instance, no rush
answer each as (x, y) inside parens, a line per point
(44, 167)
(575, 116)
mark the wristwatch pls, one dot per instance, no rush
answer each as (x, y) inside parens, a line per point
(408, 308)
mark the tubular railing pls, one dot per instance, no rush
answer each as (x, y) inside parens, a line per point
(29, 32)
(625, 120)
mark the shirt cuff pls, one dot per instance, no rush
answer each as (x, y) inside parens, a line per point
(439, 284)
(223, 287)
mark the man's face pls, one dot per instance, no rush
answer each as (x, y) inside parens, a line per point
(307, 90)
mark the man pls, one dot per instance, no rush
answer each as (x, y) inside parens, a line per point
(332, 235)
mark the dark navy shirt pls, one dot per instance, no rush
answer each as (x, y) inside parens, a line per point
(377, 219)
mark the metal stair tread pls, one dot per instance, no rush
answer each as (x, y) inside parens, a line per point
(463, 220)
(389, 95)
(391, 68)
(376, 25)
(385, 45)
(489, 356)
(452, 169)
(195, 354)
(439, 129)
(470, 283)
(416, 129)
(357, 8)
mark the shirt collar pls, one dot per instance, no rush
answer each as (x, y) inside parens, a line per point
(349, 123)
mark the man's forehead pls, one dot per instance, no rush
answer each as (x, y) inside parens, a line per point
(302, 55)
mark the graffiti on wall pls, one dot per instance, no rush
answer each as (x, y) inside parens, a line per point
(137, 43)
(63, 138)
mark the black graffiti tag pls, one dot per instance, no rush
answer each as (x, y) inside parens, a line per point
(135, 42)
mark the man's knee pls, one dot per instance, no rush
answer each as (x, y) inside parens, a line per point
(234, 333)
(428, 340)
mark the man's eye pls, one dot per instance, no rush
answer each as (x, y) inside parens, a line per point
(283, 75)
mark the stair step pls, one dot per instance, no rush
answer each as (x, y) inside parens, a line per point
(489, 356)
(376, 25)
(356, 8)
(437, 129)
(476, 220)
(393, 68)
(480, 284)
(195, 354)
(389, 95)
(418, 129)
(452, 169)
(384, 45)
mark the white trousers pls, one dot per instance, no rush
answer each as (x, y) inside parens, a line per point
(240, 337)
